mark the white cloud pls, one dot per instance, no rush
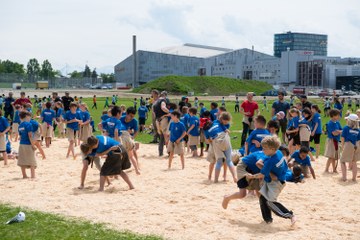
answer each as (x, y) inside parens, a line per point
(100, 32)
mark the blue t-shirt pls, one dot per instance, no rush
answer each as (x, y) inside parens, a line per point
(202, 110)
(48, 116)
(111, 124)
(185, 120)
(34, 125)
(16, 117)
(70, 116)
(281, 106)
(176, 130)
(215, 130)
(104, 117)
(251, 159)
(333, 126)
(85, 116)
(4, 124)
(350, 135)
(258, 135)
(213, 114)
(275, 164)
(105, 143)
(24, 129)
(132, 125)
(194, 120)
(290, 176)
(7, 104)
(142, 111)
(293, 122)
(60, 113)
(302, 162)
(316, 119)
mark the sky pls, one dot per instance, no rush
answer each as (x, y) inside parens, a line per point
(72, 33)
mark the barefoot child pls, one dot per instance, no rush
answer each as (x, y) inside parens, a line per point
(274, 163)
(116, 161)
(316, 128)
(26, 158)
(143, 115)
(16, 123)
(47, 117)
(72, 119)
(204, 118)
(333, 131)
(60, 119)
(4, 128)
(193, 131)
(36, 136)
(84, 126)
(177, 133)
(292, 131)
(350, 140)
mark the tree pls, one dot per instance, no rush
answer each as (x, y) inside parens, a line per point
(94, 76)
(47, 71)
(76, 74)
(87, 72)
(33, 69)
(11, 67)
(108, 78)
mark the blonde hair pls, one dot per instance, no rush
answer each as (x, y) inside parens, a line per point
(272, 142)
(295, 110)
(225, 116)
(352, 124)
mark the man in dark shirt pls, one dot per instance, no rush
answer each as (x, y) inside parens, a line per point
(304, 102)
(8, 107)
(284, 106)
(66, 101)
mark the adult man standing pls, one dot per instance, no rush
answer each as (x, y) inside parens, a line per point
(249, 109)
(160, 110)
(304, 102)
(22, 100)
(8, 107)
(154, 97)
(284, 106)
(66, 101)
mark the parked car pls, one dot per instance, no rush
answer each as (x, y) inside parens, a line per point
(350, 93)
(104, 87)
(272, 93)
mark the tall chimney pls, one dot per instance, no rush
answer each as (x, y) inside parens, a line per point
(134, 63)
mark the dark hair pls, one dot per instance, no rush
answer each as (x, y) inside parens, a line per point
(92, 141)
(201, 104)
(104, 112)
(193, 110)
(85, 148)
(206, 113)
(285, 150)
(316, 107)
(308, 112)
(214, 104)
(17, 106)
(115, 111)
(184, 109)
(176, 114)
(297, 173)
(207, 125)
(23, 114)
(223, 109)
(172, 106)
(273, 124)
(281, 93)
(261, 120)
(334, 112)
(131, 110)
(304, 149)
(48, 105)
(73, 105)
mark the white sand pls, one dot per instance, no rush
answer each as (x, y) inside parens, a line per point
(179, 204)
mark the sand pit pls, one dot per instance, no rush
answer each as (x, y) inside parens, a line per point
(181, 204)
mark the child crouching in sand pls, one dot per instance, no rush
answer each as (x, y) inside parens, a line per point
(26, 158)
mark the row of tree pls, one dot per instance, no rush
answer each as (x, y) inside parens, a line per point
(34, 71)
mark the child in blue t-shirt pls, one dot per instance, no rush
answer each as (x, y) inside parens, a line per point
(16, 123)
(214, 111)
(4, 128)
(301, 158)
(292, 130)
(316, 128)
(333, 131)
(72, 119)
(273, 172)
(193, 132)
(143, 115)
(253, 142)
(27, 147)
(295, 175)
(59, 120)
(47, 117)
(351, 146)
(177, 133)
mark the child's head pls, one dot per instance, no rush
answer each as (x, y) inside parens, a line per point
(303, 152)
(273, 126)
(352, 121)
(206, 114)
(104, 112)
(334, 114)
(192, 111)
(222, 109)
(213, 105)
(48, 105)
(185, 110)
(24, 115)
(260, 122)
(315, 108)
(92, 141)
(225, 118)
(85, 148)
(201, 104)
(264, 97)
(280, 115)
(130, 112)
(270, 145)
(284, 150)
(297, 171)
(59, 105)
(175, 116)
(18, 107)
(298, 106)
(306, 112)
(73, 107)
(123, 107)
(172, 106)
(116, 111)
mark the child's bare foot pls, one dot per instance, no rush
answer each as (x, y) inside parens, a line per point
(293, 220)
(335, 171)
(225, 202)
(81, 187)
(235, 180)
(354, 180)
(25, 177)
(343, 179)
(137, 172)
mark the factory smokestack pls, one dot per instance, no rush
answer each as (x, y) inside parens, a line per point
(134, 63)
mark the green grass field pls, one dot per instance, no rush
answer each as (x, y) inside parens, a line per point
(39, 225)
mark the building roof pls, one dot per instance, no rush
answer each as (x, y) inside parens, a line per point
(194, 50)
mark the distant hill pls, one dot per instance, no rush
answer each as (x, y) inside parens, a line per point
(215, 86)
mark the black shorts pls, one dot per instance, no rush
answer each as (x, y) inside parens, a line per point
(142, 121)
(305, 143)
(316, 138)
(326, 109)
(242, 183)
(357, 105)
(349, 105)
(283, 125)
